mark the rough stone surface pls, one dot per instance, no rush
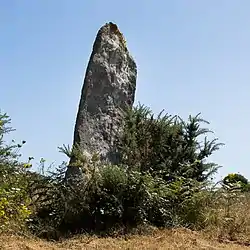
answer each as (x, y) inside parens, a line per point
(109, 85)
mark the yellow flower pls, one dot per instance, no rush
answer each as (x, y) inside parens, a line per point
(27, 165)
(4, 201)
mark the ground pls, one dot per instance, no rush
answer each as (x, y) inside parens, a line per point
(167, 239)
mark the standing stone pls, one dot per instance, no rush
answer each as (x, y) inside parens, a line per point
(109, 87)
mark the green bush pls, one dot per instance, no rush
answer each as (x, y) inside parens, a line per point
(167, 146)
(119, 197)
(14, 196)
(161, 180)
(236, 181)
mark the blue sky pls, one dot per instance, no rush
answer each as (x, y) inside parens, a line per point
(193, 56)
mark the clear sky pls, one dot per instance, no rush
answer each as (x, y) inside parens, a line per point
(192, 55)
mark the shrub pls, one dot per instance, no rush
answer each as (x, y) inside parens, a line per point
(14, 198)
(117, 197)
(236, 181)
(166, 145)
(162, 180)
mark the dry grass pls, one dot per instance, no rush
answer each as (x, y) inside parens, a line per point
(229, 217)
(227, 226)
(166, 239)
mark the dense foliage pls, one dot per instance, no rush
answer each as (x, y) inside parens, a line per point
(163, 179)
(236, 181)
(167, 146)
(159, 181)
(14, 198)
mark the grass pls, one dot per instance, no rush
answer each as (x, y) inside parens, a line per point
(160, 239)
(228, 218)
(227, 226)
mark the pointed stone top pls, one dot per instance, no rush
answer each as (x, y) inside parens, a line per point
(111, 28)
(109, 31)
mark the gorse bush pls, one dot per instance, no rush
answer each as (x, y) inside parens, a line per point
(14, 198)
(167, 146)
(163, 180)
(116, 197)
(236, 181)
(160, 180)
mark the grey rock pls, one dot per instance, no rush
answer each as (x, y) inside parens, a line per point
(109, 87)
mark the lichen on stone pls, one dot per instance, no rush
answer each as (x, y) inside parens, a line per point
(109, 86)
(114, 28)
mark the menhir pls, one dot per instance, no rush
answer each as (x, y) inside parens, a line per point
(109, 87)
